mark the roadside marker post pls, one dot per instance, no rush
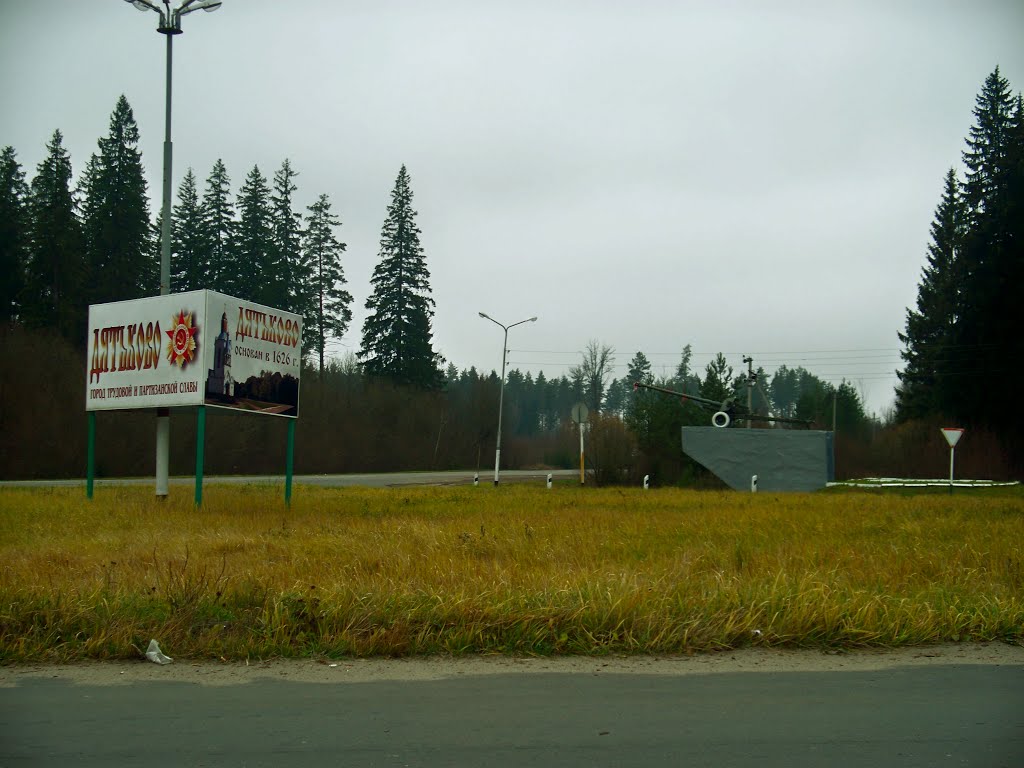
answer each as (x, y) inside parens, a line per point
(952, 435)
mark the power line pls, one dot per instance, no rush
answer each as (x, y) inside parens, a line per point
(677, 352)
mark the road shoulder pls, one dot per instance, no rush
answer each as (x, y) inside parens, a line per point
(753, 660)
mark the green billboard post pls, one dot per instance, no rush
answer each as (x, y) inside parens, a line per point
(90, 456)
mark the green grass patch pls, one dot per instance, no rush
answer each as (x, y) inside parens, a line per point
(514, 569)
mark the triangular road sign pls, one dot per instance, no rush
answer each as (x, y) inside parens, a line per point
(952, 435)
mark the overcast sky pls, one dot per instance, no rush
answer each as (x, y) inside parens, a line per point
(745, 177)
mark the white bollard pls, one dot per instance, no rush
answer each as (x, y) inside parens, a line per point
(647, 482)
(549, 481)
(753, 484)
(476, 479)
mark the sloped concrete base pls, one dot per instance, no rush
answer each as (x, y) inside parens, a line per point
(782, 459)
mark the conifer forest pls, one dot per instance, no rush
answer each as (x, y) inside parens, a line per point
(71, 236)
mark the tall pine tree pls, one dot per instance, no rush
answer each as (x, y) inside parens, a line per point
(397, 337)
(252, 250)
(55, 278)
(218, 229)
(327, 304)
(685, 379)
(929, 338)
(989, 146)
(190, 250)
(287, 241)
(718, 379)
(156, 254)
(115, 215)
(13, 234)
(638, 401)
(987, 331)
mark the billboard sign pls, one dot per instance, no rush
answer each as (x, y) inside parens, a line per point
(253, 356)
(194, 348)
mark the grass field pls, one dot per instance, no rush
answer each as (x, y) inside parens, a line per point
(510, 570)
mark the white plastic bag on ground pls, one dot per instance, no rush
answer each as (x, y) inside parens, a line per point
(154, 654)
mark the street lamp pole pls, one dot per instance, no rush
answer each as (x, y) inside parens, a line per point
(501, 396)
(170, 25)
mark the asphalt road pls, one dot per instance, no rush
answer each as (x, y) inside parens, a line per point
(938, 715)
(370, 480)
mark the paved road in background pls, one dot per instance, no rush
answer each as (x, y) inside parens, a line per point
(943, 715)
(374, 480)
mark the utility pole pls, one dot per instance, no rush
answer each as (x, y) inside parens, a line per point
(835, 407)
(751, 378)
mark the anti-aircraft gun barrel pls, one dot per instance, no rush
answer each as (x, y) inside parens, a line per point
(726, 411)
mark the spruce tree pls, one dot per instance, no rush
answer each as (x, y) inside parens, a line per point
(1012, 425)
(287, 242)
(55, 278)
(218, 229)
(639, 401)
(989, 146)
(545, 420)
(685, 379)
(327, 305)
(784, 391)
(252, 250)
(929, 338)
(115, 218)
(155, 256)
(86, 200)
(639, 370)
(718, 379)
(530, 406)
(397, 337)
(13, 234)
(190, 251)
(986, 329)
(616, 396)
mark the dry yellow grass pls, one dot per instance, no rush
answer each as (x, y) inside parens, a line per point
(510, 570)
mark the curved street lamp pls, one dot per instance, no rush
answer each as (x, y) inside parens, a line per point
(501, 397)
(170, 25)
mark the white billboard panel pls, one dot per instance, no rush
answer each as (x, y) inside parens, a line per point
(143, 353)
(195, 348)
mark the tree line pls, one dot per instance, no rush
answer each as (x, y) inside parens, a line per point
(396, 404)
(354, 422)
(65, 245)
